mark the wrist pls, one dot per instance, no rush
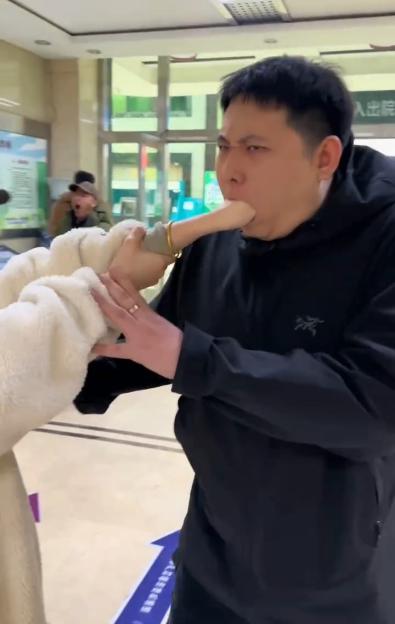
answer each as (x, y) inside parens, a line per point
(173, 249)
(172, 354)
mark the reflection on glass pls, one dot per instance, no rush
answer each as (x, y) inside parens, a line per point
(124, 180)
(195, 189)
(188, 112)
(128, 168)
(133, 96)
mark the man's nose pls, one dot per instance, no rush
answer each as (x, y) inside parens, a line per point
(233, 170)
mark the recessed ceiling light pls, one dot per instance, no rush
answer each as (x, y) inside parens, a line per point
(270, 40)
(184, 58)
(94, 51)
(43, 42)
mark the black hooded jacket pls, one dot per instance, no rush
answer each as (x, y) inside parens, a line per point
(287, 409)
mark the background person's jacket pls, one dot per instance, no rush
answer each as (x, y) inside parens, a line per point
(62, 217)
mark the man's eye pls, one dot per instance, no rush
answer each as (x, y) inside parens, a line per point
(223, 148)
(255, 148)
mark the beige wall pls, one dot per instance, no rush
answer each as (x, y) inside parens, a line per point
(65, 126)
(61, 93)
(75, 123)
(89, 116)
(25, 81)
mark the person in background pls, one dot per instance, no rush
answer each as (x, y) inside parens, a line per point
(61, 216)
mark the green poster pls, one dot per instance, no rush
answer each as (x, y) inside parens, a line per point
(23, 173)
(212, 197)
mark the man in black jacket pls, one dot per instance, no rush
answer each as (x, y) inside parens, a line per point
(281, 341)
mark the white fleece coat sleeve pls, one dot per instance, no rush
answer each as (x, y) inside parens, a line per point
(45, 343)
(91, 247)
(49, 323)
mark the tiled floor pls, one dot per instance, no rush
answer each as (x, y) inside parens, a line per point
(107, 490)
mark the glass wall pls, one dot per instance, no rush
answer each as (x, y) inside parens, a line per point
(134, 93)
(192, 108)
(191, 116)
(133, 96)
(186, 193)
(124, 179)
(185, 178)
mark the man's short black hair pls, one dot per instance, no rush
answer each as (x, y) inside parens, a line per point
(83, 176)
(317, 101)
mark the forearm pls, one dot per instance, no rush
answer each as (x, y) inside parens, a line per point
(107, 378)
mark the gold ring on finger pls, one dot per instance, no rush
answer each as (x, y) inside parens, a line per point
(134, 309)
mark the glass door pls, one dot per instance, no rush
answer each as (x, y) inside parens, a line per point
(150, 207)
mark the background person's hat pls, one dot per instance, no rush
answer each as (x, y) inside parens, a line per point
(87, 187)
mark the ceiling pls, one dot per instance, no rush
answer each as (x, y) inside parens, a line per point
(204, 75)
(130, 28)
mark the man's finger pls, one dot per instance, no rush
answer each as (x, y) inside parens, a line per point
(123, 292)
(116, 314)
(118, 293)
(117, 274)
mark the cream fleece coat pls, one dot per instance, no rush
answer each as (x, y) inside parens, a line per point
(48, 326)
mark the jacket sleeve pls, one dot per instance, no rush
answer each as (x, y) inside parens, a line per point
(106, 207)
(107, 378)
(56, 223)
(105, 220)
(46, 338)
(343, 402)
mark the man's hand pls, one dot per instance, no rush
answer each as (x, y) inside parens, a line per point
(134, 264)
(150, 339)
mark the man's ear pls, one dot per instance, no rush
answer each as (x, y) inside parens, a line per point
(328, 157)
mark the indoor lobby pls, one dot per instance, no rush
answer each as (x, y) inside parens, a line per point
(130, 93)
